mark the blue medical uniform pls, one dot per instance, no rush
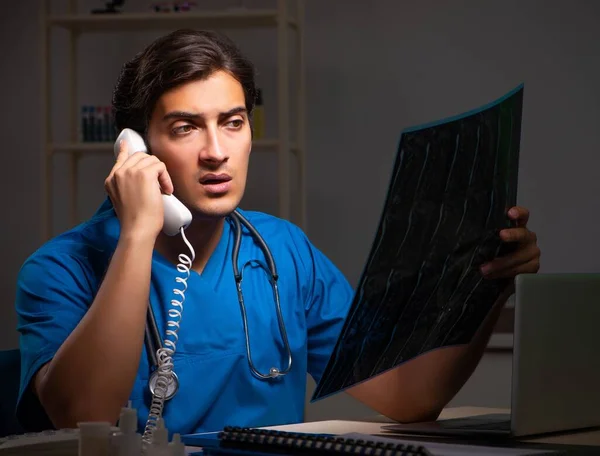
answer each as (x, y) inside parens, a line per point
(57, 285)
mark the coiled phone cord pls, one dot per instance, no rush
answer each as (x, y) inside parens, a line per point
(166, 352)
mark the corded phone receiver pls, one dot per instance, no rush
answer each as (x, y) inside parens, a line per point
(177, 216)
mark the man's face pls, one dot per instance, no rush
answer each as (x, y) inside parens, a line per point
(201, 131)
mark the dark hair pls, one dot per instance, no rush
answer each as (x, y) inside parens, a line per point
(174, 59)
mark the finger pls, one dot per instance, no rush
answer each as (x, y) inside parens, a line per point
(507, 262)
(162, 175)
(518, 235)
(136, 159)
(120, 159)
(531, 267)
(519, 214)
(123, 153)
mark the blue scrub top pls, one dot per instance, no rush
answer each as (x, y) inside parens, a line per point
(57, 285)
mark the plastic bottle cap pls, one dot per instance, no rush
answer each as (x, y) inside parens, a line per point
(160, 436)
(128, 420)
(176, 446)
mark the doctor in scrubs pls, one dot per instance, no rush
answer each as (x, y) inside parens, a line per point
(82, 298)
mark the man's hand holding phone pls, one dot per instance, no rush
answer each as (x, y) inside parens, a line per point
(134, 187)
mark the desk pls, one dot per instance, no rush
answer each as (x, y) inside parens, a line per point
(373, 425)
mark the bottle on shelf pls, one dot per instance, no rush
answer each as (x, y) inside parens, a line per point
(96, 124)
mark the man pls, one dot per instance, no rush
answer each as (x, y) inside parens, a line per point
(82, 298)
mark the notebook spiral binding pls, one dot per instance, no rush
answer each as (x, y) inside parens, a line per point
(297, 443)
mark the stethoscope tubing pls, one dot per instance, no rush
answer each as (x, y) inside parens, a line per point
(154, 342)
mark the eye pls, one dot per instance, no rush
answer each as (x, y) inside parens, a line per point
(182, 129)
(235, 123)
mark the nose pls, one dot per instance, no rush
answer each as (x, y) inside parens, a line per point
(213, 151)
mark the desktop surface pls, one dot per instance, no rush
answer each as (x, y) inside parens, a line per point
(583, 442)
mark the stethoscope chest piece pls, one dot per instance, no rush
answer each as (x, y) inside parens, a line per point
(172, 386)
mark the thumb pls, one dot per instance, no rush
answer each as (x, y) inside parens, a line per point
(123, 152)
(166, 184)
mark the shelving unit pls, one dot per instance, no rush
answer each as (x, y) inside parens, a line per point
(283, 19)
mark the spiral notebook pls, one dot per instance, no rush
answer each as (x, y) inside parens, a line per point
(240, 441)
(250, 441)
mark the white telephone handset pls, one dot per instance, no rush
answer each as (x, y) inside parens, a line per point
(177, 219)
(177, 216)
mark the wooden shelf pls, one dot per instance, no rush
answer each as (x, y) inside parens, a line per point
(135, 22)
(266, 145)
(284, 20)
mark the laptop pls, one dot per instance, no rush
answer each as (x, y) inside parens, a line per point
(555, 384)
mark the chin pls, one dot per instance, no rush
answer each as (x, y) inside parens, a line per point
(213, 208)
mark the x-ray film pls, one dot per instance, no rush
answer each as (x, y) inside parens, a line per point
(452, 184)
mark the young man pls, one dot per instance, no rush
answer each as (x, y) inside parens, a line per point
(82, 298)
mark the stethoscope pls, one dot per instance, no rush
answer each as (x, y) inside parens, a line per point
(154, 341)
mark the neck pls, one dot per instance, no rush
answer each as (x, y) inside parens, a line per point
(203, 235)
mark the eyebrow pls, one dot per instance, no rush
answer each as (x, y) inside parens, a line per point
(196, 115)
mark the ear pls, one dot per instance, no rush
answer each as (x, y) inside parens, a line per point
(147, 141)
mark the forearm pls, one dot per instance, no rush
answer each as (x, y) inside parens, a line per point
(458, 365)
(92, 374)
(418, 390)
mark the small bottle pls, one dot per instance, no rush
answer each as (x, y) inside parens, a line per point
(176, 447)
(91, 124)
(84, 124)
(259, 116)
(99, 124)
(94, 438)
(127, 441)
(160, 440)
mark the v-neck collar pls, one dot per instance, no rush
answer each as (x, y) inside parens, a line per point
(215, 265)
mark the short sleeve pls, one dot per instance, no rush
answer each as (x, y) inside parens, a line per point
(53, 294)
(327, 301)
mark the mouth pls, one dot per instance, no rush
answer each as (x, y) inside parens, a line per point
(216, 183)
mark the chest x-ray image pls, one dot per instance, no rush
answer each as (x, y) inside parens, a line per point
(452, 184)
